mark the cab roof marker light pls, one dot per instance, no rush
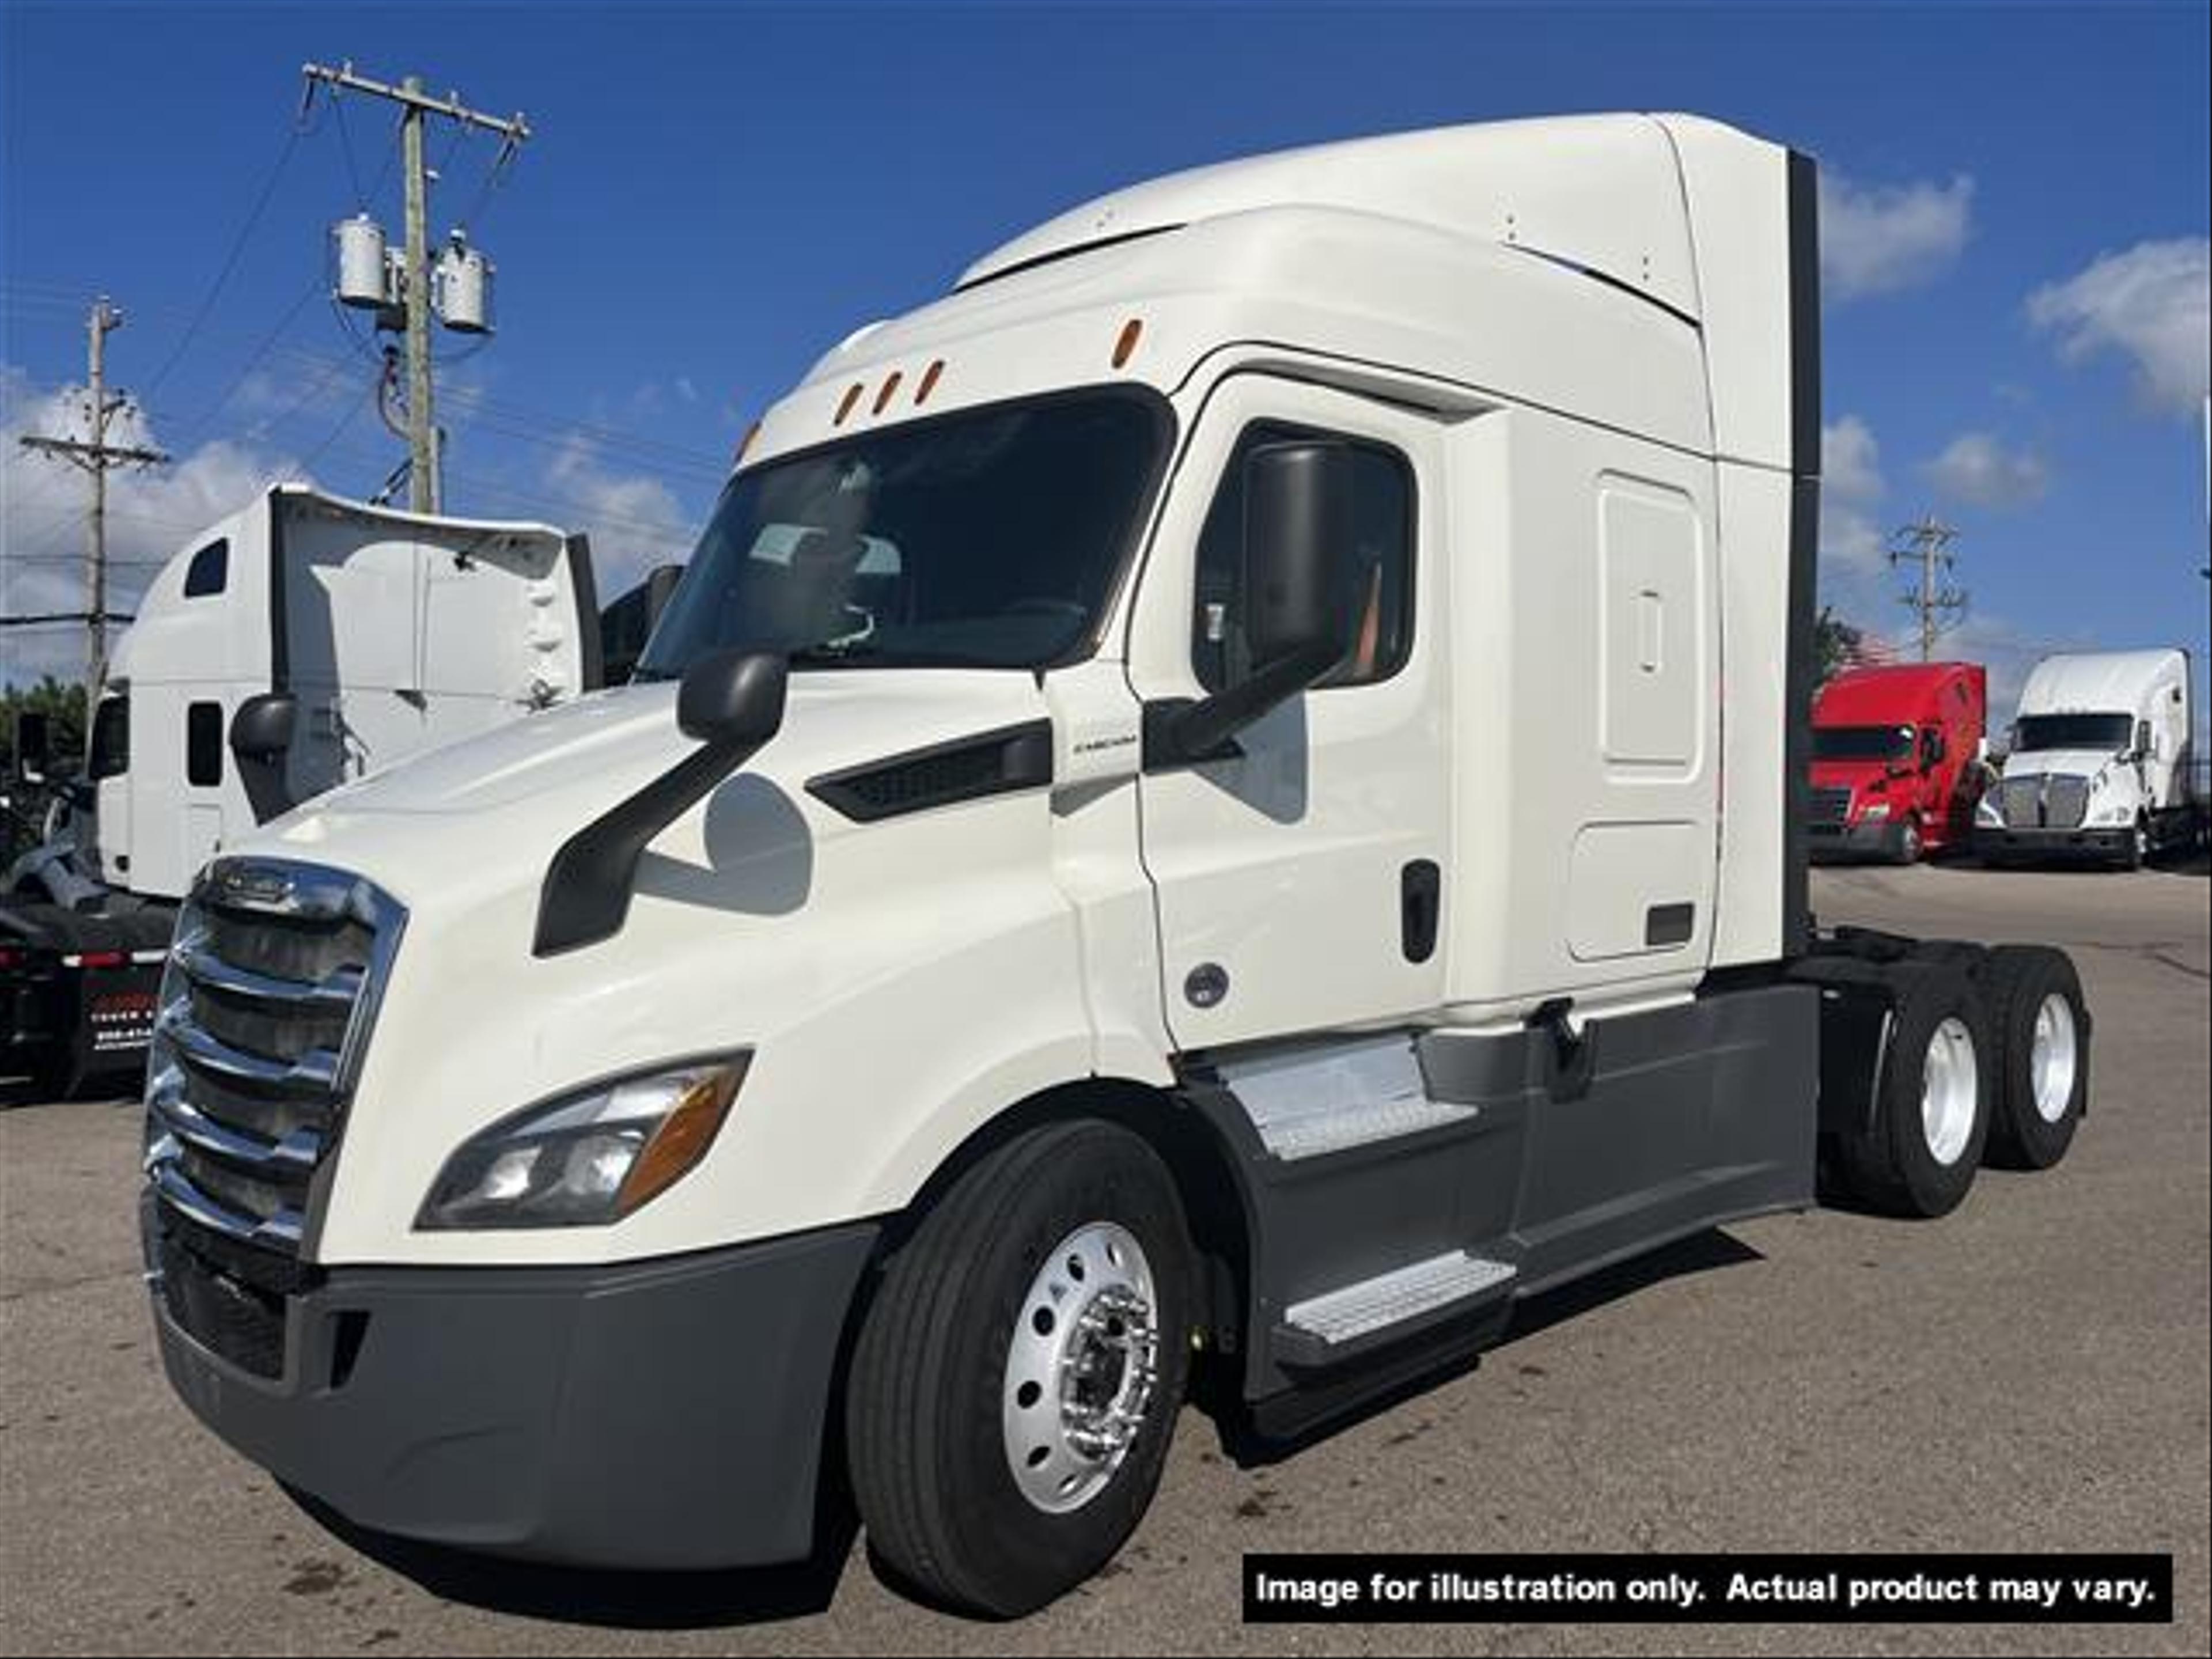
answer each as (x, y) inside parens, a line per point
(844, 404)
(929, 382)
(1124, 346)
(883, 397)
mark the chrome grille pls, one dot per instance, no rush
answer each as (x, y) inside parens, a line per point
(2022, 802)
(2065, 802)
(271, 987)
(1831, 804)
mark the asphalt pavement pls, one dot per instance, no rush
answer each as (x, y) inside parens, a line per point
(2028, 1374)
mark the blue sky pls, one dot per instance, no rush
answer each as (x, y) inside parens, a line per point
(2017, 221)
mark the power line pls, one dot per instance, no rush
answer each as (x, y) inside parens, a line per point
(229, 262)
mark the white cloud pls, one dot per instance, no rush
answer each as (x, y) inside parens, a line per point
(634, 521)
(1876, 239)
(1851, 489)
(152, 512)
(2149, 304)
(1976, 469)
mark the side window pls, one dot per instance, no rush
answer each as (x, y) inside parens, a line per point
(111, 736)
(203, 744)
(1383, 549)
(209, 570)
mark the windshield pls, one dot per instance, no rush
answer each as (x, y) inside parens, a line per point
(990, 538)
(2110, 732)
(1861, 743)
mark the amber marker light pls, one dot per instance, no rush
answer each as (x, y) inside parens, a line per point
(929, 382)
(1124, 347)
(883, 397)
(845, 405)
(683, 1135)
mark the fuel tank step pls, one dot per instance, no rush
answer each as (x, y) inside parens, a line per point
(1359, 1316)
(1317, 1099)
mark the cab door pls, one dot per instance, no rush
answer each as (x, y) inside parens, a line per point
(1300, 883)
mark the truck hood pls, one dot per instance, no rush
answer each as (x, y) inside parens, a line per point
(511, 796)
(1856, 775)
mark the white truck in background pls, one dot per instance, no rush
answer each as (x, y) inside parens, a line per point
(303, 642)
(2099, 763)
(1231, 795)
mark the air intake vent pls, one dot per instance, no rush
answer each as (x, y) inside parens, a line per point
(967, 768)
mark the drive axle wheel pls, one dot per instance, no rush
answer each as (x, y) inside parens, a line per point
(1931, 1110)
(2040, 1027)
(1016, 1381)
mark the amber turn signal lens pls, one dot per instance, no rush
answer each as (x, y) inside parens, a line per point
(683, 1137)
(1126, 346)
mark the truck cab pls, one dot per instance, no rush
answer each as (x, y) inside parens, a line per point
(2099, 763)
(1897, 761)
(300, 644)
(1180, 815)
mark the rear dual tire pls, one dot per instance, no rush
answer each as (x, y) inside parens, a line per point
(1918, 1154)
(2040, 1024)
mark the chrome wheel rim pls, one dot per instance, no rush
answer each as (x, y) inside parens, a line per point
(2053, 1053)
(1949, 1091)
(1081, 1367)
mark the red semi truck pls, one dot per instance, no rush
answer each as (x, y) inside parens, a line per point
(1898, 760)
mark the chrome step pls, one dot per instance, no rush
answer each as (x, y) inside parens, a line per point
(1340, 1318)
(1313, 1100)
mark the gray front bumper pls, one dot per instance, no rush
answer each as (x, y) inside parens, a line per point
(1996, 845)
(665, 1413)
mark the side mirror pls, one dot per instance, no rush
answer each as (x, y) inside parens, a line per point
(733, 703)
(733, 699)
(1297, 595)
(260, 739)
(34, 746)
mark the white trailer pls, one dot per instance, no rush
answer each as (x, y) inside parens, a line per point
(2099, 762)
(301, 643)
(1229, 794)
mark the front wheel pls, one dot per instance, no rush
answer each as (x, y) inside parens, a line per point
(1908, 844)
(1017, 1380)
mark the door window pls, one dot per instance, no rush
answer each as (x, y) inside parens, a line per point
(1382, 518)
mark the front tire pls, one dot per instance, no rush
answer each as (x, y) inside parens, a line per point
(2039, 1029)
(1908, 844)
(1931, 1116)
(1016, 1382)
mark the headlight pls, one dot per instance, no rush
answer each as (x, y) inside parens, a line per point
(586, 1158)
(1875, 810)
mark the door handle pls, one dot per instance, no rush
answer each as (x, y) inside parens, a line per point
(1420, 901)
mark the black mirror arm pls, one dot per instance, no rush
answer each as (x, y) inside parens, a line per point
(1195, 731)
(585, 897)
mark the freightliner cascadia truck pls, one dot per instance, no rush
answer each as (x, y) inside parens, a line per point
(2098, 763)
(1898, 761)
(304, 641)
(1229, 795)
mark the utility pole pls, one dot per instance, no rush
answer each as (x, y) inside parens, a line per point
(1939, 605)
(415, 106)
(95, 457)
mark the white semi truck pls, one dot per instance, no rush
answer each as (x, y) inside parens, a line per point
(304, 641)
(2098, 764)
(1227, 795)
